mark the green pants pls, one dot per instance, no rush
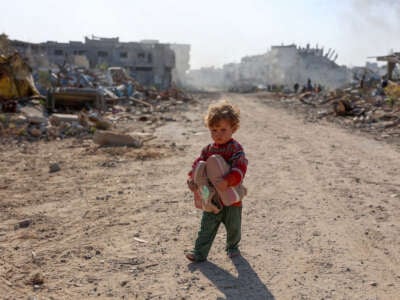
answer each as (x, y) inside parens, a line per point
(231, 217)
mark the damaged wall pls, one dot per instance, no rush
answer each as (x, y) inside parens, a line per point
(282, 65)
(182, 66)
(149, 62)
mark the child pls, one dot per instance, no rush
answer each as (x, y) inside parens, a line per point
(216, 177)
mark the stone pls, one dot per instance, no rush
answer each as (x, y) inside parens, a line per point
(54, 167)
(59, 118)
(37, 279)
(34, 115)
(110, 138)
(23, 224)
(35, 132)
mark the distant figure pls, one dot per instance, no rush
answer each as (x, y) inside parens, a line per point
(309, 85)
(362, 81)
(384, 82)
(296, 87)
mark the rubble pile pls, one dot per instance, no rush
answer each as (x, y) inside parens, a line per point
(16, 81)
(79, 102)
(372, 109)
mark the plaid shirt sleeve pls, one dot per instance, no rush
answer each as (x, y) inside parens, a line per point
(238, 164)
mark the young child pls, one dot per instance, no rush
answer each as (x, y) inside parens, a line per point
(216, 177)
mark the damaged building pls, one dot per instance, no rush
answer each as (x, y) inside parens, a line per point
(151, 63)
(282, 65)
(391, 60)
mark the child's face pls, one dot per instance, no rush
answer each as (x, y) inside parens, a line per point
(222, 132)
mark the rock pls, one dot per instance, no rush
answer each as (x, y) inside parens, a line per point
(316, 233)
(56, 119)
(20, 120)
(115, 139)
(54, 167)
(53, 132)
(23, 224)
(37, 279)
(34, 115)
(35, 132)
(99, 122)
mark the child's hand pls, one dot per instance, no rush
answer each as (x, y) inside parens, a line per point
(191, 185)
(222, 185)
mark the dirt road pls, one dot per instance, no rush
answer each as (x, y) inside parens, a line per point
(321, 220)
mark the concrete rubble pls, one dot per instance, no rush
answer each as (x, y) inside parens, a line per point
(81, 108)
(372, 109)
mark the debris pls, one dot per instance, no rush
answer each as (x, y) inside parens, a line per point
(54, 167)
(75, 97)
(16, 80)
(23, 224)
(373, 283)
(342, 107)
(141, 102)
(140, 240)
(34, 114)
(9, 106)
(37, 279)
(100, 123)
(110, 138)
(35, 132)
(57, 119)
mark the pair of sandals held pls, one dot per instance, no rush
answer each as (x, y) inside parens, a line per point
(206, 175)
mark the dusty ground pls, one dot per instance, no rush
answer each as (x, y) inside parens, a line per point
(321, 221)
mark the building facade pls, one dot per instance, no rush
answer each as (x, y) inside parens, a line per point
(151, 63)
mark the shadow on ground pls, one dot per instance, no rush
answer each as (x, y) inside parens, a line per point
(246, 286)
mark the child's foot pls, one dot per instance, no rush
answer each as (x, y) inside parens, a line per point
(233, 253)
(193, 258)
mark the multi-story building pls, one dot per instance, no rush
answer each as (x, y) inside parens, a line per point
(151, 63)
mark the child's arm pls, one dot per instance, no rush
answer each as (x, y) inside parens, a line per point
(238, 161)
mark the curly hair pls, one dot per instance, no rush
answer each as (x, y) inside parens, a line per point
(222, 110)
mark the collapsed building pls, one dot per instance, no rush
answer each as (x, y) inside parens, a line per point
(282, 65)
(391, 61)
(149, 62)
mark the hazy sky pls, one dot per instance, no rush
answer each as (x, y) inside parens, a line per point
(219, 31)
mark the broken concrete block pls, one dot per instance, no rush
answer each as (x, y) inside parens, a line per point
(115, 139)
(34, 115)
(59, 118)
(35, 132)
(20, 120)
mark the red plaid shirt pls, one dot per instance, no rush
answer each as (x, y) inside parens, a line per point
(233, 154)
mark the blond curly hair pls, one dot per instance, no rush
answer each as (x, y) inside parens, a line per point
(222, 110)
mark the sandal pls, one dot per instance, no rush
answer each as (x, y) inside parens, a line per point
(192, 258)
(233, 254)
